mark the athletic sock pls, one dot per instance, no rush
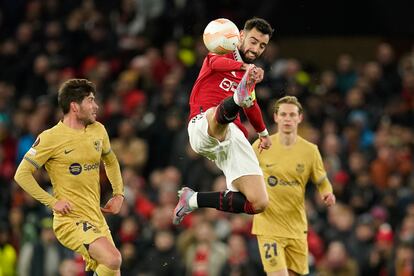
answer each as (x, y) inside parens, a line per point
(192, 202)
(227, 201)
(102, 270)
(227, 111)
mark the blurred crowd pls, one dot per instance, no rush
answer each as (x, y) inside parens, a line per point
(144, 56)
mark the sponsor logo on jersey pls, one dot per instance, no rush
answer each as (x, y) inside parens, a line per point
(273, 181)
(228, 85)
(89, 167)
(75, 168)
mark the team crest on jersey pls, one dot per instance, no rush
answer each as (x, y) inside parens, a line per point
(300, 168)
(97, 144)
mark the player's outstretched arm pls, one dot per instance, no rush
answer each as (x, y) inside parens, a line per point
(254, 115)
(113, 206)
(221, 63)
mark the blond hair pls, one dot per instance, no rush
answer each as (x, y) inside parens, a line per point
(288, 100)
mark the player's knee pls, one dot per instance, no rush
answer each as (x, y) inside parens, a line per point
(115, 261)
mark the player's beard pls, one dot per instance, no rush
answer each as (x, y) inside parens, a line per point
(86, 118)
(242, 52)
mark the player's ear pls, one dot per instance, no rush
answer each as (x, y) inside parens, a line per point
(74, 106)
(242, 33)
(275, 117)
(300, 118)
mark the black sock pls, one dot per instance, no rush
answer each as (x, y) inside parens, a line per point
(227, 201)
(227, 111)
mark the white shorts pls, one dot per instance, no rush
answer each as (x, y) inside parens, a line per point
(234, 156)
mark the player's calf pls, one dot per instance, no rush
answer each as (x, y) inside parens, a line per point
(102, 270)
(227, 201)
(226, 111)
(260, 205)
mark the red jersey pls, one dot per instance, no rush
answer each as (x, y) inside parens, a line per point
(218, 79)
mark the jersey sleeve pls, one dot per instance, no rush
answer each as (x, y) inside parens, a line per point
(319, 176)
(41, 150)
(37, 155)
(222, 63)
(112, 167)
(106, 144)
(254, 114)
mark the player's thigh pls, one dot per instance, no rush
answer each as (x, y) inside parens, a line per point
(77, 235)
(296, 255)
(241, 167)
(104, 252)
(215, 129)
(272, 254)
(199, 138)
(252, 186)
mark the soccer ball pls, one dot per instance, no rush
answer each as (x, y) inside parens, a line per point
(221, 36)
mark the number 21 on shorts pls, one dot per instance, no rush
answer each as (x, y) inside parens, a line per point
(270, 250)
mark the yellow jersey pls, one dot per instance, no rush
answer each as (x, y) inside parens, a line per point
(72, 159)
(286, 171)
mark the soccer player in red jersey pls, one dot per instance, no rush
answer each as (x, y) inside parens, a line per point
(225, 85)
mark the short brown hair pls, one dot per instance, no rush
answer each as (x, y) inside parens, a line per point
(288, 100)
(260, 24)
(74, 90)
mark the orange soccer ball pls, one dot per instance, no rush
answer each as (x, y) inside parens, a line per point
(221, 36)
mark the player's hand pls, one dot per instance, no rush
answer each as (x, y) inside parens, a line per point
(258, 74)
(329, 199)
(246, 66)
(265, 143)
(62, 207)
(113, 206)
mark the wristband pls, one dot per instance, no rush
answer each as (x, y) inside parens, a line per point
(263, 133)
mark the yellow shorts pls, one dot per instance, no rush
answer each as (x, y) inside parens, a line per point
(278, 253)
(76, 234)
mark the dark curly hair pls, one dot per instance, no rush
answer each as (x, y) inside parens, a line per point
(260, 24)
(74, 90)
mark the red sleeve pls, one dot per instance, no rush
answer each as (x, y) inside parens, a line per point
(222, 63)
(254, 114)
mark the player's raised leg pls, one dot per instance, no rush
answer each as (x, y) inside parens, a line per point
(226, 112)
(251, 198)
(254, 189)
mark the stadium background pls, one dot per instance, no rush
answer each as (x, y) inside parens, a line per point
(351, 63)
